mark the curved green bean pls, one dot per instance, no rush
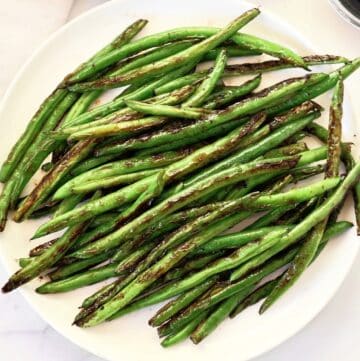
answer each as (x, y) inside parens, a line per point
(162, 66)
(174, 306)
(84, 279)
(208, 84)
(226, 96)
(309, 248)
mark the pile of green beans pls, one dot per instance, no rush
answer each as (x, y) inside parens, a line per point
(147, 186)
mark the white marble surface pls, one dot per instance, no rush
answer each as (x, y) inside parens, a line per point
(333, 335)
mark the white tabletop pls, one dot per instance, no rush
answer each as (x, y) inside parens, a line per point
(332, 336)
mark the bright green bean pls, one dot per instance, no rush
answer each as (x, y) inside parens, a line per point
(208, 84)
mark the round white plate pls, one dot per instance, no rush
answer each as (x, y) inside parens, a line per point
(130, 338)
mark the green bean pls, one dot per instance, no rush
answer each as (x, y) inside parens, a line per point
(134, 257)
(296, 137)
(174, 306)
(152, 56)
(65, 271)
(81, 105)
(253, 263)
(184, 197)
(298, 265)
(24, 261)
(166, 110)
(322, 133)
(162, 227)
(295, 195)
(117, 43)
(123, 129)
(45, 260)
(254, 297)
(30, 161)
(35, 125)
(110, 123)
(162, 66)
(91, 163)
(45, 210)
(247, 41)
(252, 183)
(112, 181)
(286, 150)
(192, 265)
(181, 286)
(240, 256)
(226, 96)
(271, 65)
(140, 283)
(167, 225)
(259, 148)
(334, 140)
(79, 280)
(221, 293)
(77, 153)
(219, 210)
(175, 97)
(193, 161)
(312, 91)
(298, 212)
(282, 199)
(180, 82)
(306, 254)
(41, 146)
(51, 103)
(152, 273)
(198, 217)
(141, 93)
(121, 167)
(217, 316)
(100, 223)
(247, 106)
(208, 84)
(36, 251)
(313, 218)
(68, 204)
(309, 248)
(192, 281)
(253, 277)
(123, 38)
(251, 68)
(235, 240)
(123, 114)
(215, 150)
(95, 233)
(270, 217)
(307, 157)
(156, 270)
(231, 51)
(91, 300)
(146, 147)
(184, 332)
(100, 297)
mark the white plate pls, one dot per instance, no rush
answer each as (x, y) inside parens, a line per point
(129, 338)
